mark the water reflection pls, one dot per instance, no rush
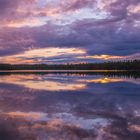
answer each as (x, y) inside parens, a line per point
(64, 82)
(85, 123)
(69, 107)
(39, 82)
(105, 80)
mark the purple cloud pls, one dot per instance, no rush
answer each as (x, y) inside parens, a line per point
(116, 31)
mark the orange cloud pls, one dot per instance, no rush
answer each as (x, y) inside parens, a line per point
(15, 60)
(133, 9)
(28, 56)
(26, 115)
(102, 57)
(31, 22)
(106, 57)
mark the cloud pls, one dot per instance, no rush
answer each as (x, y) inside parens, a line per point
(100, 27)
(39, 55)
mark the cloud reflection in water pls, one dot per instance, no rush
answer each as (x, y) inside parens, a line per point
(48, 107)
(61, 82)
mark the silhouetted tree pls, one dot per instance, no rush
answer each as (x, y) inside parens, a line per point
(120, 65)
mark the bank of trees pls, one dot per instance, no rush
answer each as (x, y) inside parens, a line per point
(120, 65)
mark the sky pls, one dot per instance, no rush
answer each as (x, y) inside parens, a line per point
(69, 31)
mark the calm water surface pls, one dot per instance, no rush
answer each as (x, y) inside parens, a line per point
(69, 107)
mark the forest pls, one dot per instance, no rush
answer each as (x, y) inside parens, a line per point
(120, 65)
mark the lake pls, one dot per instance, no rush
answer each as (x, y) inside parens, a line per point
(69, 106)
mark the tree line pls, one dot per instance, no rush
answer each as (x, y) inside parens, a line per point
(120, 65)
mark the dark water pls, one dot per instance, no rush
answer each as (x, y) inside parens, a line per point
(69, 106)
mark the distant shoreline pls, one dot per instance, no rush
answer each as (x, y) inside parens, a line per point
(68, 71)
(109, 73)
(85, 67)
